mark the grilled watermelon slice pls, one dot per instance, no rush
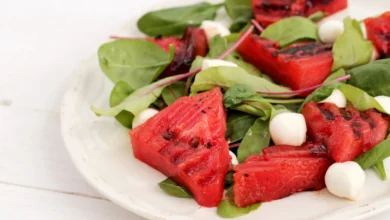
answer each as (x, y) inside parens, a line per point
(185, 141)
(298, 66)
(346, 133)
(281, 171)
(378, 31)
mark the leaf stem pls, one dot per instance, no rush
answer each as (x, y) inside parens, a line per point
(234, 145)
(115, 37)
(257, 25)
(297, 92)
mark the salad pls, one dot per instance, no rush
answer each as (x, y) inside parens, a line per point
(273, 105)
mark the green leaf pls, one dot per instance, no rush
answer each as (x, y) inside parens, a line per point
(174, 21)
(278, 109)
(173, 189)
(229, 181)
(219, 45)
(360, 99)
(291, 30)
(237, 125)
(227, 209)
(339, 73)
(136, 101)
(239, 25)
(257, 138)
(351, 49)
(240, 11)
(260, 109)
(136, 62)
(375, 155)
(118, 94)
(171, 93)
(373, 78)
(317, 16)
(236, 94)
(226, 77)
(320, 94)
(380, 168)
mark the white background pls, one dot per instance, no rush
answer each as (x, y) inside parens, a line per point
(41, 43)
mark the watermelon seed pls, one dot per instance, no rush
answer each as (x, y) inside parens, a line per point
(195, 142)
(209, 145)
(328, 115)
(203, 111)
(246, 175)
(168, 135)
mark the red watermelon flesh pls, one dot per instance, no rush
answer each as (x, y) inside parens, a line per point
(282, 171)
(298, 66)
(347, 132)
(185, 141)
(378, 31)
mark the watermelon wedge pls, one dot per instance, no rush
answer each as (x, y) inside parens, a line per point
(279, 172)
(185, 141)
(378, 31)
(347, 132)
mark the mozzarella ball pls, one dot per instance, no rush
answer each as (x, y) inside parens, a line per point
(364, 30)
(384, 101)
(234, 158)
(345, 179)
(337, 98)
(143, 116)
(330, 31)
(288, 128)
(375, 55)
(213, 29)
(213, 63)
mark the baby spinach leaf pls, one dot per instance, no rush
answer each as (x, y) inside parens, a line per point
(240, 11)
(351, 49)
(261, 108)
(278, 109)
(173, 21)
(317, 16)
(257, 138)
(236, 94)
(173, 189)
(320, 94)
(219, 45)
(226, 77)
(136, 101)
(291, 30)
(339, 73)
(237, 125)
(375, 155)
(380, 168)
(118, 94)
(227, 209)
(374, 78)
(136, 62)
(360, 99)
(229, 181)
(171, 93)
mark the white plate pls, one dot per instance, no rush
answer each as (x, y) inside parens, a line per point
(101, 150)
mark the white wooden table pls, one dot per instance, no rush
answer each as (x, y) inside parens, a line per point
(41, 42)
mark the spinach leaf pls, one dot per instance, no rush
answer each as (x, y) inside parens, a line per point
(339, 73)
(236, 94)
(229, 181)
(136, 101)
(380, 168)
(240, 11)
(237, 125)
(118, 94)
(262, 109)
(173, 189)
(320, 94)
(360, 99)
(317, 16)
(374, 78)
(226, 77)
(375, 155)
(227, 209)
(291, 30)
(171, 93)
(160, 103)
(219, 45)
(136, 62)
(351, 49)
(257, 138)
(278, 109)
(173, 21)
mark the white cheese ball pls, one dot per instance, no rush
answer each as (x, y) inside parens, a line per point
(213, 29)
(330, 31)
(207, 63)
(384, 101)
(364, 30)
(375, 55)
(288, 128)
(345, 180)
(337, 98)
(234, 158)
(143, 116)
